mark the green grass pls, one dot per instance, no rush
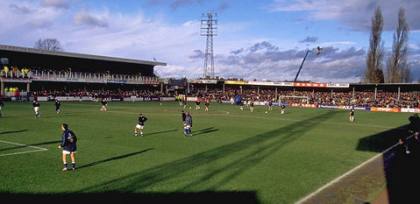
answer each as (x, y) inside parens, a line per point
(280, 157)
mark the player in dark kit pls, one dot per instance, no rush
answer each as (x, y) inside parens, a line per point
(207, 104)
(104, 105)
(251, 106)
(282, 108)
(183, 120)
(197, 103)
(183, 117)
(1, 107)
(36, 105)
(351, 115)
(184, 102)
(68, 144)
(140, 125)
(270, 105)
(403, 142)
(414, 126)
(57, 106)
(188, 125)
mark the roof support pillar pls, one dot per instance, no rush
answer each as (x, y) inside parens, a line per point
(2, 87)
(223, 88)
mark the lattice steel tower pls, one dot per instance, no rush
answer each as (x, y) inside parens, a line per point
(209, 29)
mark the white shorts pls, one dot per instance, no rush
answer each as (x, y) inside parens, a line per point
(187, 126)
(0, 108)
(67, 152)
(36, 109)
(139, 126)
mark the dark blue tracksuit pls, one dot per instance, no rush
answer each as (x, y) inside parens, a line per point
(188, 125)
(68, 141)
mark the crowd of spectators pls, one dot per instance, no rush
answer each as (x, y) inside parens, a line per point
(330, 98)
(26, 73)
(335, 98)
(15, 72)
(68, 74)
(388, 99)
(98, 93)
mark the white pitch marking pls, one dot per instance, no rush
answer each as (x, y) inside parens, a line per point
(306, 198)
(25, 152)
(38, 149)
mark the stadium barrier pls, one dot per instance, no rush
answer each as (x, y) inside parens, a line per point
(65, 98)
(304, 105)
(257, 103)
(260, 103)
(192, 99)
(378, 109)
(344, 107)
(288, 84)
(16, 94)
(88, 98)
(310, 84)
(133, 99)
(410, 110)
(82, 77)
(202, 81)
(151, 98)
(167, 98)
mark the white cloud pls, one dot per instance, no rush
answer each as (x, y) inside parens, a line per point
(132, 35)
(25, 19)
(85, 18)
(59, 4)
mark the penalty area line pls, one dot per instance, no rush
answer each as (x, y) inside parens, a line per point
(37, 149)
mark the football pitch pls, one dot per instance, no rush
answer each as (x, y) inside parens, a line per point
(279, 158)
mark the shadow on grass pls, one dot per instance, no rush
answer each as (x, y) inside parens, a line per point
(36, 144)
(161, 132)
(13, 131)
(397, 169)
(383, 140)
(114, 158)
(401, 169)
(243, 197)
(243, 155)
(402, 173)
(205, 131)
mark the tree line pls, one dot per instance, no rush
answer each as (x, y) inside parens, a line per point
(397, 70)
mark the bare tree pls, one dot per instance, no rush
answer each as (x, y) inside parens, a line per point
(50, 44)
(374, 71)
(378, 76)
(397, 66)
(406, 75)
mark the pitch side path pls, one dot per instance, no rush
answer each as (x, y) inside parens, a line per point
(248, 157)
(394, 171)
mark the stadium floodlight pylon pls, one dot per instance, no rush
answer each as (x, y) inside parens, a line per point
(317, 50)
(209, 29)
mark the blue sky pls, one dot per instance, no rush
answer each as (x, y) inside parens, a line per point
(256, 39)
